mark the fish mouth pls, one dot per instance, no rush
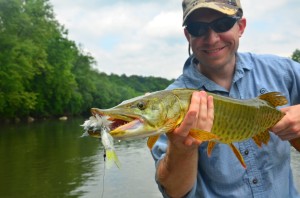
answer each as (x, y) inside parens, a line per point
(122, 125)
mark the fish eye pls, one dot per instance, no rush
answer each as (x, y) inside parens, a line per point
(141, 105)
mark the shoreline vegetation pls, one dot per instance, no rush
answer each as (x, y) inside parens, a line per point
(45, 75)
(30, 119)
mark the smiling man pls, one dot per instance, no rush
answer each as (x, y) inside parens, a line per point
(213, 29)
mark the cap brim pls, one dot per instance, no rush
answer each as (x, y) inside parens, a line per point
(228, 10)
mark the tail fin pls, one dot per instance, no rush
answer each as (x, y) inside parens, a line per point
(296, 143)
(112, 157)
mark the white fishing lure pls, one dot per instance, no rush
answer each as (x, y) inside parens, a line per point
(102, 124)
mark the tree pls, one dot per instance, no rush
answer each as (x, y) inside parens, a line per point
(16, 58)
(296, 55)
(43, 73)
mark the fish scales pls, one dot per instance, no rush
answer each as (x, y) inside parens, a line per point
(232, 120)
(233, 117)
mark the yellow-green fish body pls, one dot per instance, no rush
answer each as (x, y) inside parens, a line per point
(161, 112)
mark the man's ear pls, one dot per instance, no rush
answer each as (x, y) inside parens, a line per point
(188, 38)
(242, 25)
(187, 35)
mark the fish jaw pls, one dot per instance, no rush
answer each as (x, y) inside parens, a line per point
(134, 129)
(145, 116)
(126, 126)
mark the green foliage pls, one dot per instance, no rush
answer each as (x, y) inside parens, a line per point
(43, 73)
(296, 55)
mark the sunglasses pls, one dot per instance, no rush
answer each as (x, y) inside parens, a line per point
(198, 29)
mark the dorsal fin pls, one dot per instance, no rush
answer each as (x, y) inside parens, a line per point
(274, 98)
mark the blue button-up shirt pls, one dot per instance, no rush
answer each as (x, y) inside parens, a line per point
(268, 172)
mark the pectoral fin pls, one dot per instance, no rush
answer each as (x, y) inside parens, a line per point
(260, 138)
(203, 135)
(238, 155)
(151, 141)
(296, 143)
(210, 147)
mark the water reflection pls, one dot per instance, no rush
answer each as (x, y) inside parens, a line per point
(49, 159)
(37, 159)
(134, 179)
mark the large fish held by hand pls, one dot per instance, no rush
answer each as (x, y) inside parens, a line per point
(162, 111)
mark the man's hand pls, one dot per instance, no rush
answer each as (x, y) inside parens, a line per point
(288, 127)
(200, 115)
(177, 171)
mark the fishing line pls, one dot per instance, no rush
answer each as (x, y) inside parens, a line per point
(103, 177)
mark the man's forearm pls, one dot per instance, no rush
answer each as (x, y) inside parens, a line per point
(177, 172)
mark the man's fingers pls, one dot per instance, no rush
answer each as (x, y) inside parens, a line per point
(210, 107)
(195, 101)
(202, 116)
(187, 124)
(191, 116)
(280, 126)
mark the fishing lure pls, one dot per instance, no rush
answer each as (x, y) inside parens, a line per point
(99, 127)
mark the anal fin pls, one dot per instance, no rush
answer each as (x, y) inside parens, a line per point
(261, 138)
(296, 143)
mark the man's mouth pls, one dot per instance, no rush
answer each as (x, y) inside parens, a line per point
(213, 51)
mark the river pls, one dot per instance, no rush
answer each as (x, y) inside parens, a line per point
(50, 159)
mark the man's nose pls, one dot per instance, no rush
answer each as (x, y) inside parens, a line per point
(211, 36)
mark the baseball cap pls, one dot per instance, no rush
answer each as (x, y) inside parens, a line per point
(228, 7)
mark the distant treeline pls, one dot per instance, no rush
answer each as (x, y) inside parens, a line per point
(44, 74)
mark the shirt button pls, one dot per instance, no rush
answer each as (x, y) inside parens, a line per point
(246, 152)
(254, 181)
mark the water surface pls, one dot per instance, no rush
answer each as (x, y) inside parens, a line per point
(50, 159)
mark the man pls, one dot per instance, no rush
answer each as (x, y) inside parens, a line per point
(183, 169)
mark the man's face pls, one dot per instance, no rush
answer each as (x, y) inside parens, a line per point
(214, 50)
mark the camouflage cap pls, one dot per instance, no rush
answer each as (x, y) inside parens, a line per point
(228, 7)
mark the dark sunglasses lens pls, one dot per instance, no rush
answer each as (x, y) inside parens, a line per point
(197, 29)
(223, 25)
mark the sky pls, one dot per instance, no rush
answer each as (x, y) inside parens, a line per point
(145, 37)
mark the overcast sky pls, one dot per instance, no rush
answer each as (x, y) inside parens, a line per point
(145, 37)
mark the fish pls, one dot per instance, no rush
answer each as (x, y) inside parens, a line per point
(161, 112)
(99, 126)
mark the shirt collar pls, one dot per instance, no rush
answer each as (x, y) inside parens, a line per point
(196, 80)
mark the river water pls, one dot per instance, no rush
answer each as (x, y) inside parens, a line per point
(50, 159)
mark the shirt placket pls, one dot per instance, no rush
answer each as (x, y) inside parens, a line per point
(253, 177)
